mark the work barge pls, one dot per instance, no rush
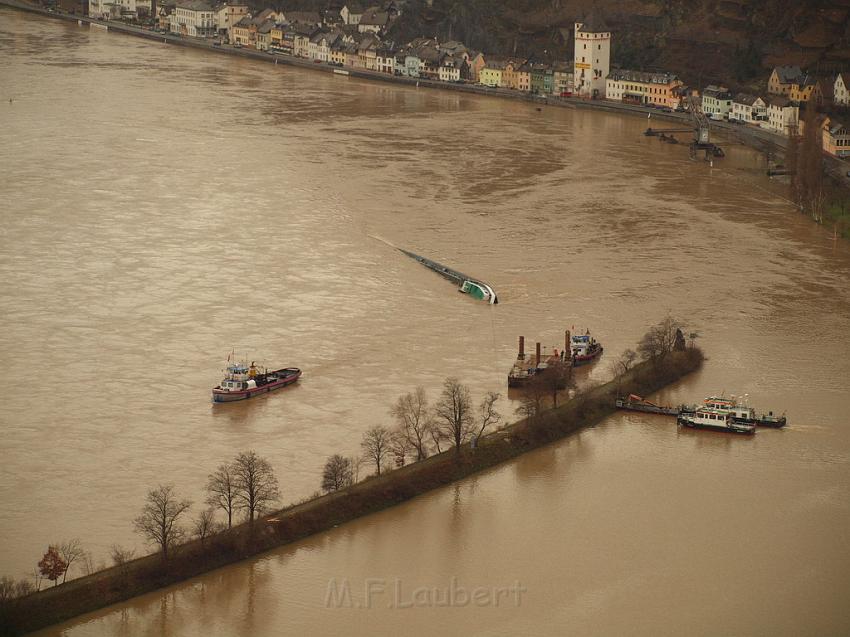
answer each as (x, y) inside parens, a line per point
(579, 349)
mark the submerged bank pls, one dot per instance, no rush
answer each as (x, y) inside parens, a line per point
(325, 512)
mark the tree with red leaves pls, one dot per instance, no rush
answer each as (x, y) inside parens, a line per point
(52, 566)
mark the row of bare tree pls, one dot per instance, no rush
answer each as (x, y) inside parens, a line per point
(245, 484)
(420, 430)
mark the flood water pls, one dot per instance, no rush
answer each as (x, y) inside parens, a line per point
(163, 206)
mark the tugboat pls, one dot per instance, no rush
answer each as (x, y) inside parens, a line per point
(713, 420)
(743, 414)
(243, 381)
(584, 349)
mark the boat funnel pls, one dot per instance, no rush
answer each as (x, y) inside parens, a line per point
(537, 356)
(521, 355)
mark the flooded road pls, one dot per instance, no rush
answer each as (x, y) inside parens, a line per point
(164, 206)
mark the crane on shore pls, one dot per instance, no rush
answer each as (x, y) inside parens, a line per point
(701, 128)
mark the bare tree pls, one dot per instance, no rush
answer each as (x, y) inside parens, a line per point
(555, 378)
(453, 411)
(337, 474)
(11, 589)
(204, 525)
(437, 435)
(400, 447)
(533, 398)
(487, 414)
(376, 446)
(23, 588)
(158, 521)
(256, 484)
(356, 463)
(659, 340)
(221, 490)
(37, 578)
(625, 362)
(121, 558)
(414, 419)
(87, 564)
(7, 589)
(71, 551)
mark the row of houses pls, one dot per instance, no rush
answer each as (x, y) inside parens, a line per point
(354, 36)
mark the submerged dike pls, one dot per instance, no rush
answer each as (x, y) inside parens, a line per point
(146, 574)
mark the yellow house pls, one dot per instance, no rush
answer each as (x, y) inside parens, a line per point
(522, 78)
(492, 73)
(836, 138)
(244, 32)
(806, 89)
(782, 80)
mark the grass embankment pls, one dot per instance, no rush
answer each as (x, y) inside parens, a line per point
(148, 573)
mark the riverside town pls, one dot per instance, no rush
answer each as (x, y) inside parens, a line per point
(425, 317)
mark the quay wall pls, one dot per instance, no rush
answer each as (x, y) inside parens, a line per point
(145, 574)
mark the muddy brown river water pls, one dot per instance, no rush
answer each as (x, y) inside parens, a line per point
(162, 206)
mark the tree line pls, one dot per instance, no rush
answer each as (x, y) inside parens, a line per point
(419, 430)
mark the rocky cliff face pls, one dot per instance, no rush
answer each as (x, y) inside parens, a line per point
(730, 41)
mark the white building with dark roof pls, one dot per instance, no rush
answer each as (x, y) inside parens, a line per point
(195, 18)
(747, 108)
(841, 89)
(592, 59)
(640, 87)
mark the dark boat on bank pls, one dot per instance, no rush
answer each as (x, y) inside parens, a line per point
(243, 381)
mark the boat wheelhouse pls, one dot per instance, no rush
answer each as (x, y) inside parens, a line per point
(714, 420)
(584, 348)
(242, 381)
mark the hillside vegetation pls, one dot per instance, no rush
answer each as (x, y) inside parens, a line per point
(733, 41)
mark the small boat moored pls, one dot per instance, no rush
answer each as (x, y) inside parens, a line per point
(713, 420)
(242, 381)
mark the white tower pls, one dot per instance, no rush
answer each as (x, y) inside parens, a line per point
(592, 58)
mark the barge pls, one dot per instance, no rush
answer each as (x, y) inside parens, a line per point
(633, 402)
(242, 382)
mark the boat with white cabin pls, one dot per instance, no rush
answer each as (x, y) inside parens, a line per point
(744, 414)
(242, 381)
(713, 420)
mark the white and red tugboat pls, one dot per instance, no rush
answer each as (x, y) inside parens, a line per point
(584, 349)
(242, 381)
